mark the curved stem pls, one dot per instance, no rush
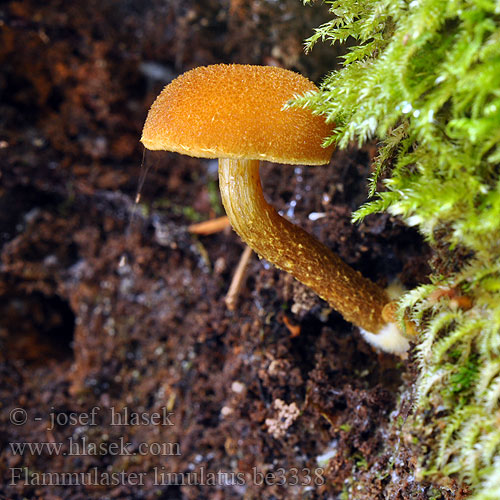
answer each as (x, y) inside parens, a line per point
(295, 251)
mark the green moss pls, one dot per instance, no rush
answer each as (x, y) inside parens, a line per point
(360, 461)
(188, 212)
(462, 377)
(214, 197)
(423, 78)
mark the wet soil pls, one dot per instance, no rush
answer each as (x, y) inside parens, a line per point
(112, 312)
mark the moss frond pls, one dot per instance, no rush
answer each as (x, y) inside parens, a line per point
(422, 77)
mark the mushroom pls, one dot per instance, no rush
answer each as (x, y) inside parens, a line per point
(235, 113)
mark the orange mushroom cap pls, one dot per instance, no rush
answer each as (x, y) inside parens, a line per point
(236, 111)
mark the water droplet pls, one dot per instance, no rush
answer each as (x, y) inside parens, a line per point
(407, 107)
(316, 215)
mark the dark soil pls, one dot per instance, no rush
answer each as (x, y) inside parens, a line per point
(107, 305)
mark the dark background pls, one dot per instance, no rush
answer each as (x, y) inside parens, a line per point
(79, 330)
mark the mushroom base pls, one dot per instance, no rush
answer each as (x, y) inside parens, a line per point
(290, 248)
(389, 339)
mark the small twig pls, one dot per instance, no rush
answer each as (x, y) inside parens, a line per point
(237, 281)
(209, 226)
(293, 329)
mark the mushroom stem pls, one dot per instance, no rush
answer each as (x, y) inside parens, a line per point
(295, 251)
